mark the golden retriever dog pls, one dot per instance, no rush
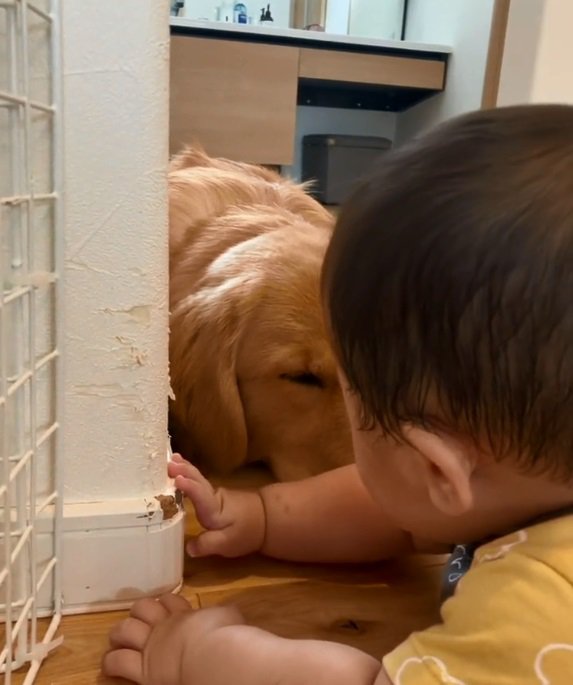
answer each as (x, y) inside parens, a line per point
(252, 371)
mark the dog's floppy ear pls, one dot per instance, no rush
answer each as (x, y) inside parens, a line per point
(206, 327)
(190, 156)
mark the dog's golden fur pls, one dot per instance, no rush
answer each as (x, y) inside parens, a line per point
(253, 374)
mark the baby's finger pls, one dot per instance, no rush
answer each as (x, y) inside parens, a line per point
(212, 543)
(149, 611)
(130, 634)
(174, 604)
(182, 467)
(205, 500)
(220, 617)
(124, 663)
(174, 468)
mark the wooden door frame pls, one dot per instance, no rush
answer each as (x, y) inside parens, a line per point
(495, 53)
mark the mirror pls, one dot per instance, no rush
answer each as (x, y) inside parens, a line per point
(371, 19)
(377, 19)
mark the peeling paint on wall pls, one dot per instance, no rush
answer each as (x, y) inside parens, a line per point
(139, 313)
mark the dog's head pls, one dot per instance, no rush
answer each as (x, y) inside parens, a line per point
(252, 370)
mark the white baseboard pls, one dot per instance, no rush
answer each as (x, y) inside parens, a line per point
(115, 552)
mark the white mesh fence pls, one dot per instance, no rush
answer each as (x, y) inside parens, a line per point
(30, 334)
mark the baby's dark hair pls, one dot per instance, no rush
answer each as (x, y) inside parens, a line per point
(448, 284)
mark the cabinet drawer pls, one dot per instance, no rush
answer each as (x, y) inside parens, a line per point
(382, 70)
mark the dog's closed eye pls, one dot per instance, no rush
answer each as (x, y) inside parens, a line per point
(303, 378)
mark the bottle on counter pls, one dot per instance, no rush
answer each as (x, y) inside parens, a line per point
(266, 16)
(240, 13)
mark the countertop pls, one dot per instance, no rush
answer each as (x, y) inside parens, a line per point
(307, 38)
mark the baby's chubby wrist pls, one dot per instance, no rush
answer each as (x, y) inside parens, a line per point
(247, 510)
(257, 519)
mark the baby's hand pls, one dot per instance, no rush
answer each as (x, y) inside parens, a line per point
(159, 642)
(234, 519)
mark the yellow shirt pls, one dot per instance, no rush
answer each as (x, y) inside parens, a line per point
(510, 621)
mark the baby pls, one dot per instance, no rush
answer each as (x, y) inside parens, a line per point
(448, 290)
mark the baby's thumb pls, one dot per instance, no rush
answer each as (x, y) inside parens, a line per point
(211, 543)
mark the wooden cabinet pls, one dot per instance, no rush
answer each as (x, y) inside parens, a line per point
(238, 96)
(377, 70)
(238, 99)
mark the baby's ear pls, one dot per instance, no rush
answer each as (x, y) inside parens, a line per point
(448, 467)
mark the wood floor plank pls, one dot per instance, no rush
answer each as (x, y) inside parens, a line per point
(373, 618)
(367, 607)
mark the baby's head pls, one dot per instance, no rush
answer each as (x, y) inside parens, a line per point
(448, 287)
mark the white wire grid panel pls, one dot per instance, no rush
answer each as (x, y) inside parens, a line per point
(30, 330)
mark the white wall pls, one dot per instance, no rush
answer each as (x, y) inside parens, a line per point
(464, 25)
(520, 51)
(354, 122)
(538, 56)
(553, 79)
(116, 124)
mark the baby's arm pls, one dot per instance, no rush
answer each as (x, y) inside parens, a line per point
(244, 655)
(327, 518)
(166, 643)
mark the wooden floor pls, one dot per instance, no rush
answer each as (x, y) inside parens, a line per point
(370, 607)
